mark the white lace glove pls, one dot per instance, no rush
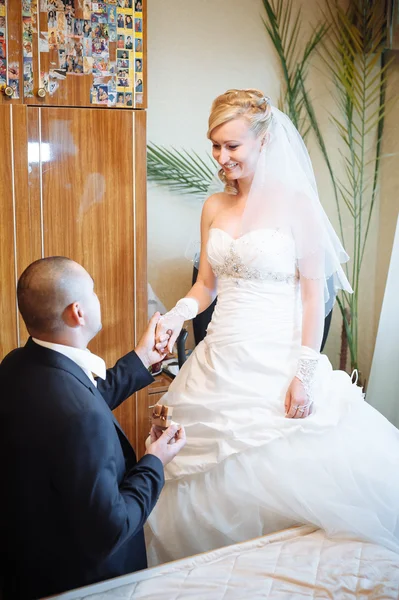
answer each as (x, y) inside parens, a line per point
(172, 321)
(306, 370)
(299, 397)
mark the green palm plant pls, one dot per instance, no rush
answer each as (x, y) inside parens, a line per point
(352, 47)
(284, 26)
(354, 57)
(180, 171)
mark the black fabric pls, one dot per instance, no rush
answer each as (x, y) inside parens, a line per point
(73, 497)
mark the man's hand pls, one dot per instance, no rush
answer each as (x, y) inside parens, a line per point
(169, 325)
(147, 350)
(165, 445)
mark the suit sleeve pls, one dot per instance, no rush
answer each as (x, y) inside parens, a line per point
(128, 376)
(102, 514)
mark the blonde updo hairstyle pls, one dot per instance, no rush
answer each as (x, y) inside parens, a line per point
(253, 105)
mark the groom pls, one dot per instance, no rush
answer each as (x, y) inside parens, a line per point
(74, 498)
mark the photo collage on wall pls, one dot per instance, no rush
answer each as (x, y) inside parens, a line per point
(100, 39)
(129, 54)
(29, 26)
(9, 71)
(3, 44)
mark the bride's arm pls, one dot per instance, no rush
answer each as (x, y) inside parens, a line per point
(312, 291)
(203, 292)
(204, 289)
(298, 401)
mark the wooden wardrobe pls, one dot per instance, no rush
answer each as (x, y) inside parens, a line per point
(73, 175)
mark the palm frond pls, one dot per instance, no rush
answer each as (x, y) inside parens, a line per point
(283, 25)
(184, 172)
(354, 56)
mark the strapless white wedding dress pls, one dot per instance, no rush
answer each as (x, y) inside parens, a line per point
(246, 469)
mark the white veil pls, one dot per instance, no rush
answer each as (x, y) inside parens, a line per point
(284, 195)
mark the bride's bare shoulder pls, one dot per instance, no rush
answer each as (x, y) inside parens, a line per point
(215, 202)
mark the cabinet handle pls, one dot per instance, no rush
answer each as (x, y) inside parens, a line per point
(9, 91)
(41, 92)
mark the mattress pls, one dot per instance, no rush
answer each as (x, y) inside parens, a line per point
(296, 563)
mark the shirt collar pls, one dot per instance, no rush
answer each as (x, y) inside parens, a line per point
(85, 359)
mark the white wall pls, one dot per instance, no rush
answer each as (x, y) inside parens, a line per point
(383, 389)
(197, 50)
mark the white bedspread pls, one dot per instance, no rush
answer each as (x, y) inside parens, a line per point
(296, 563)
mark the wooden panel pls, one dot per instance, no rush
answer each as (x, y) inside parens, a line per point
(13, 54)
(160, 385)
(27, 192)
(393, 25)
(8, 310)
(145, 58)
(141, 305)
(88, 194)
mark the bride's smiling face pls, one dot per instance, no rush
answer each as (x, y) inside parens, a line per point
(236, 148)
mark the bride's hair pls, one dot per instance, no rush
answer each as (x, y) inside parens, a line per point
(251, 104)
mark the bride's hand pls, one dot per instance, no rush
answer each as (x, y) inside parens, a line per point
(170, 325)
(297, 405)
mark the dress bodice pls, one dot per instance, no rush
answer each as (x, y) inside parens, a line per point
(263, 254)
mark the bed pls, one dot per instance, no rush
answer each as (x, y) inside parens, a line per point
(296, 563)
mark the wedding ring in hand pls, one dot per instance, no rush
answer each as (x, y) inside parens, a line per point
(302, 410)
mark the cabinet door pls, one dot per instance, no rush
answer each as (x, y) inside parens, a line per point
(8, 307)
(11, 76)
(19, 223)
(87, 54)
(87, 173)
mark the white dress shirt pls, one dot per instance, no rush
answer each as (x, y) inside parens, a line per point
(90, 363)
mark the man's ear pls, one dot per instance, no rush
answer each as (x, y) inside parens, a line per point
(73, 315)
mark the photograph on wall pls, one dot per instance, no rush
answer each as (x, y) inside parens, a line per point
(26, 8)
(129, 99)
(138, 45)
(87, 29)
(128, 22)
(138, 85)
(87, 10)
(3, 71)
(28, 77)
(87, 65)
(99, 17)
(13, 78)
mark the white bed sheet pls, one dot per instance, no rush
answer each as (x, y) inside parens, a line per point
(297, 563)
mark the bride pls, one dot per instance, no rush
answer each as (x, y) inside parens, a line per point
(275, 437)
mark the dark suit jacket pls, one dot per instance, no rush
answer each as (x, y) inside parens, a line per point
(73, 498)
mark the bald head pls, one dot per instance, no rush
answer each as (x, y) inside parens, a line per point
(46, 288)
